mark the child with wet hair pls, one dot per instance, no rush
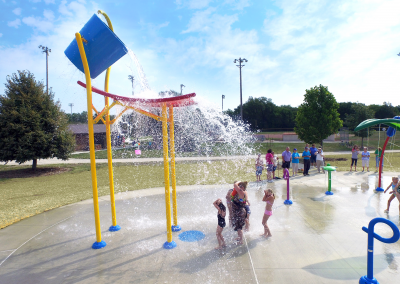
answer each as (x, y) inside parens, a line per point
(395, 187)
(269, 198)
(221, 222)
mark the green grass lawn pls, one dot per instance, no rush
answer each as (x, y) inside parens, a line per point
(24, 197)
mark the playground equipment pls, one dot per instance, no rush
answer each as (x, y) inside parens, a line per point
(329, 169)
(94, 50)
(394, 125)
(286, 176)
(369, 278)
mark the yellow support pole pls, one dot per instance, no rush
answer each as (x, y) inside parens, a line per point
(169, 244)
(175, 227)
(99, 243)
(114, 226)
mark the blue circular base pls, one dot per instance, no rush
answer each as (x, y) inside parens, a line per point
(176, 228)
(115, 228)
(191, 236)
(329, 193)
(99, 245)
(170, 245)
(366, 280)
(288, 202)
(379, 189)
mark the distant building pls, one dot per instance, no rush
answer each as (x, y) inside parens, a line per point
(81, 133)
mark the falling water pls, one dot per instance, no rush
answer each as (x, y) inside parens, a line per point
(142, 77)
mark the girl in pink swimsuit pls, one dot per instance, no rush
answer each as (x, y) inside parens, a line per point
(269, 198)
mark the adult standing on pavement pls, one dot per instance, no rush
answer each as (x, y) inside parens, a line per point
(306, 156)
(286, 158)
(313, 158)
(295, 162)
(320, 160)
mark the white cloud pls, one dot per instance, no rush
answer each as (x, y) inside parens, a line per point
(38, 23)
(15, 24)
(17, 11)
(1, 34)
(347, 45)
(45, 1)
(193, 4)
(238, 4)
(48, 14)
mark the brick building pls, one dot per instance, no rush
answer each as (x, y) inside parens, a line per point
(81, 133)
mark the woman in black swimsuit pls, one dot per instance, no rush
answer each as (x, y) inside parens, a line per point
(238, 208)
(221, 222)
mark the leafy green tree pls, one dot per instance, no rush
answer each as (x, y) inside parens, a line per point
(317, 117)
(32, 125)
(345, 109)
(360, 113)
(262, 113)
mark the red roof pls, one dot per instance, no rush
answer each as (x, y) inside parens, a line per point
(178, 101)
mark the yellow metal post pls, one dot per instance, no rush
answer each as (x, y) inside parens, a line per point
(166, 176)
(99, 243)
(114, 226)
(175, 228)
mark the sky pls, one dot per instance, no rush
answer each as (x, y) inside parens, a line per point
(351, 46)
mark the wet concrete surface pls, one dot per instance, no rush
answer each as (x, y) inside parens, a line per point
(318, 239)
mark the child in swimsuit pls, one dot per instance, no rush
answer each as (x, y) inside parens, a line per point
(259, 167)
(221, 222)
(394, 185)
(269, 197)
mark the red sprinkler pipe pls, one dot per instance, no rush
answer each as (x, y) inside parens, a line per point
(381, 160)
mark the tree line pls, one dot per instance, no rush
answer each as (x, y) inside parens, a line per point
(262, 114)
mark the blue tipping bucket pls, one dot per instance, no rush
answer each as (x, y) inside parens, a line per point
(103, 47)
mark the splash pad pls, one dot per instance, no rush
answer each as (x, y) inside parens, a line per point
(94, 50)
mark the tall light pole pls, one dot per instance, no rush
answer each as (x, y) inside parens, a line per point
(181, 88)
(223, 97)
(71, 105)
(46, 50)
(132, 78)
(240, 60)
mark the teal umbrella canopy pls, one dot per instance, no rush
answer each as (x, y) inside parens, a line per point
(371, 122)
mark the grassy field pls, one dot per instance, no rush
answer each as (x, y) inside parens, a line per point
(24, 197)
(27, 196)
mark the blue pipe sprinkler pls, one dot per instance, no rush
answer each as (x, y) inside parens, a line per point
(369, 278)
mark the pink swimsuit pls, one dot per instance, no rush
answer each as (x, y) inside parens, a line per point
(268, 212)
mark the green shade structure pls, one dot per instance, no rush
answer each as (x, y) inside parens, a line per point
(371, 122)
(393, 124)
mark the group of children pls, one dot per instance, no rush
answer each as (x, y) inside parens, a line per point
(239, 212)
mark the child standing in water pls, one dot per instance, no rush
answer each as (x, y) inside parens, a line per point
(394, 185)
(259, 167)
(221, 222)
(269, 197)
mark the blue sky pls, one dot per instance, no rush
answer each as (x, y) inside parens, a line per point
(291, 45)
